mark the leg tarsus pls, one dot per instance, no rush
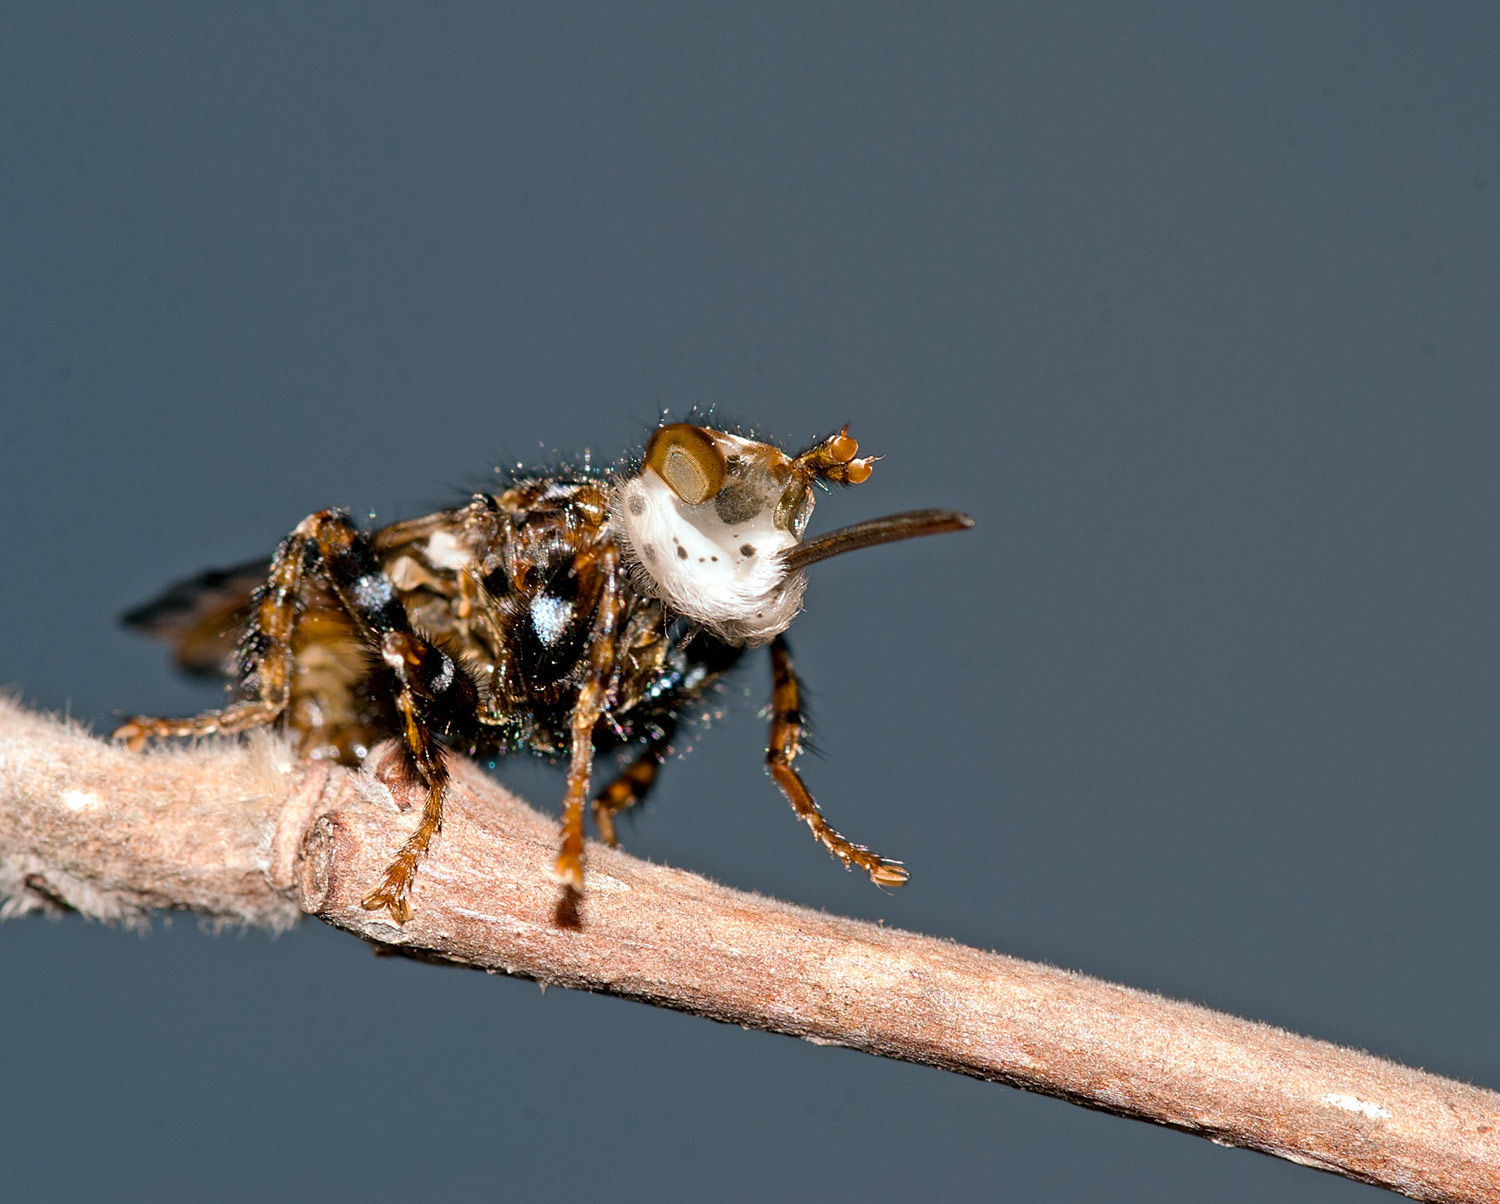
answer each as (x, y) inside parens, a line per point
(238, 717)
(568, 869)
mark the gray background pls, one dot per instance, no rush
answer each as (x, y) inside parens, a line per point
(1196, 312)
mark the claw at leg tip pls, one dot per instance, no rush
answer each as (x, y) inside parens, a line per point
(383, 900)
(131, 734)
(889, 874)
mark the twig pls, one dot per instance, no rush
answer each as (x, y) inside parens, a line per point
(242, 834)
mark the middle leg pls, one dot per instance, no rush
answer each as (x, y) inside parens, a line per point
(394, 892)
(633, 784)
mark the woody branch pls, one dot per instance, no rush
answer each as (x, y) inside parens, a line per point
(243, 835)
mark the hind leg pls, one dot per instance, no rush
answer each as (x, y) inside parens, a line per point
(433, 692)
(265, 654)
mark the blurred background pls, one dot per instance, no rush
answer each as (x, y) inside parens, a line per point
(1195, 312)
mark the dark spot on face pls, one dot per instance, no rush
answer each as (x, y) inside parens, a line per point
(681, 552)
(747, 549)
(649, 553)
(715, 559)
(637, 505)
(738, 503)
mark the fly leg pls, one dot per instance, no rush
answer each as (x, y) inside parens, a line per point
(418, 667)
(633, 784)
(265, 654)
(786, 743)
(433, 692)
(593, 700)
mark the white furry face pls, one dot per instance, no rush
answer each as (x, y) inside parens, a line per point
(717, 561)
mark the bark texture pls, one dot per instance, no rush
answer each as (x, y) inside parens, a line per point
(244, 835)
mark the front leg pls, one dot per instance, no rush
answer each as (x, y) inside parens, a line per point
(594, 698)
(786, 743)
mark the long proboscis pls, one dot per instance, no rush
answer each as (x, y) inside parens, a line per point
(889, 529)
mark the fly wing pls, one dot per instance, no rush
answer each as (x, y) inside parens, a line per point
(203, 617)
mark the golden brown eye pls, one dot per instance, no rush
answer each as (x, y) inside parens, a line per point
(687, 458)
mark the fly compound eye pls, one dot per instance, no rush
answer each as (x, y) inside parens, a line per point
(687, 458)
